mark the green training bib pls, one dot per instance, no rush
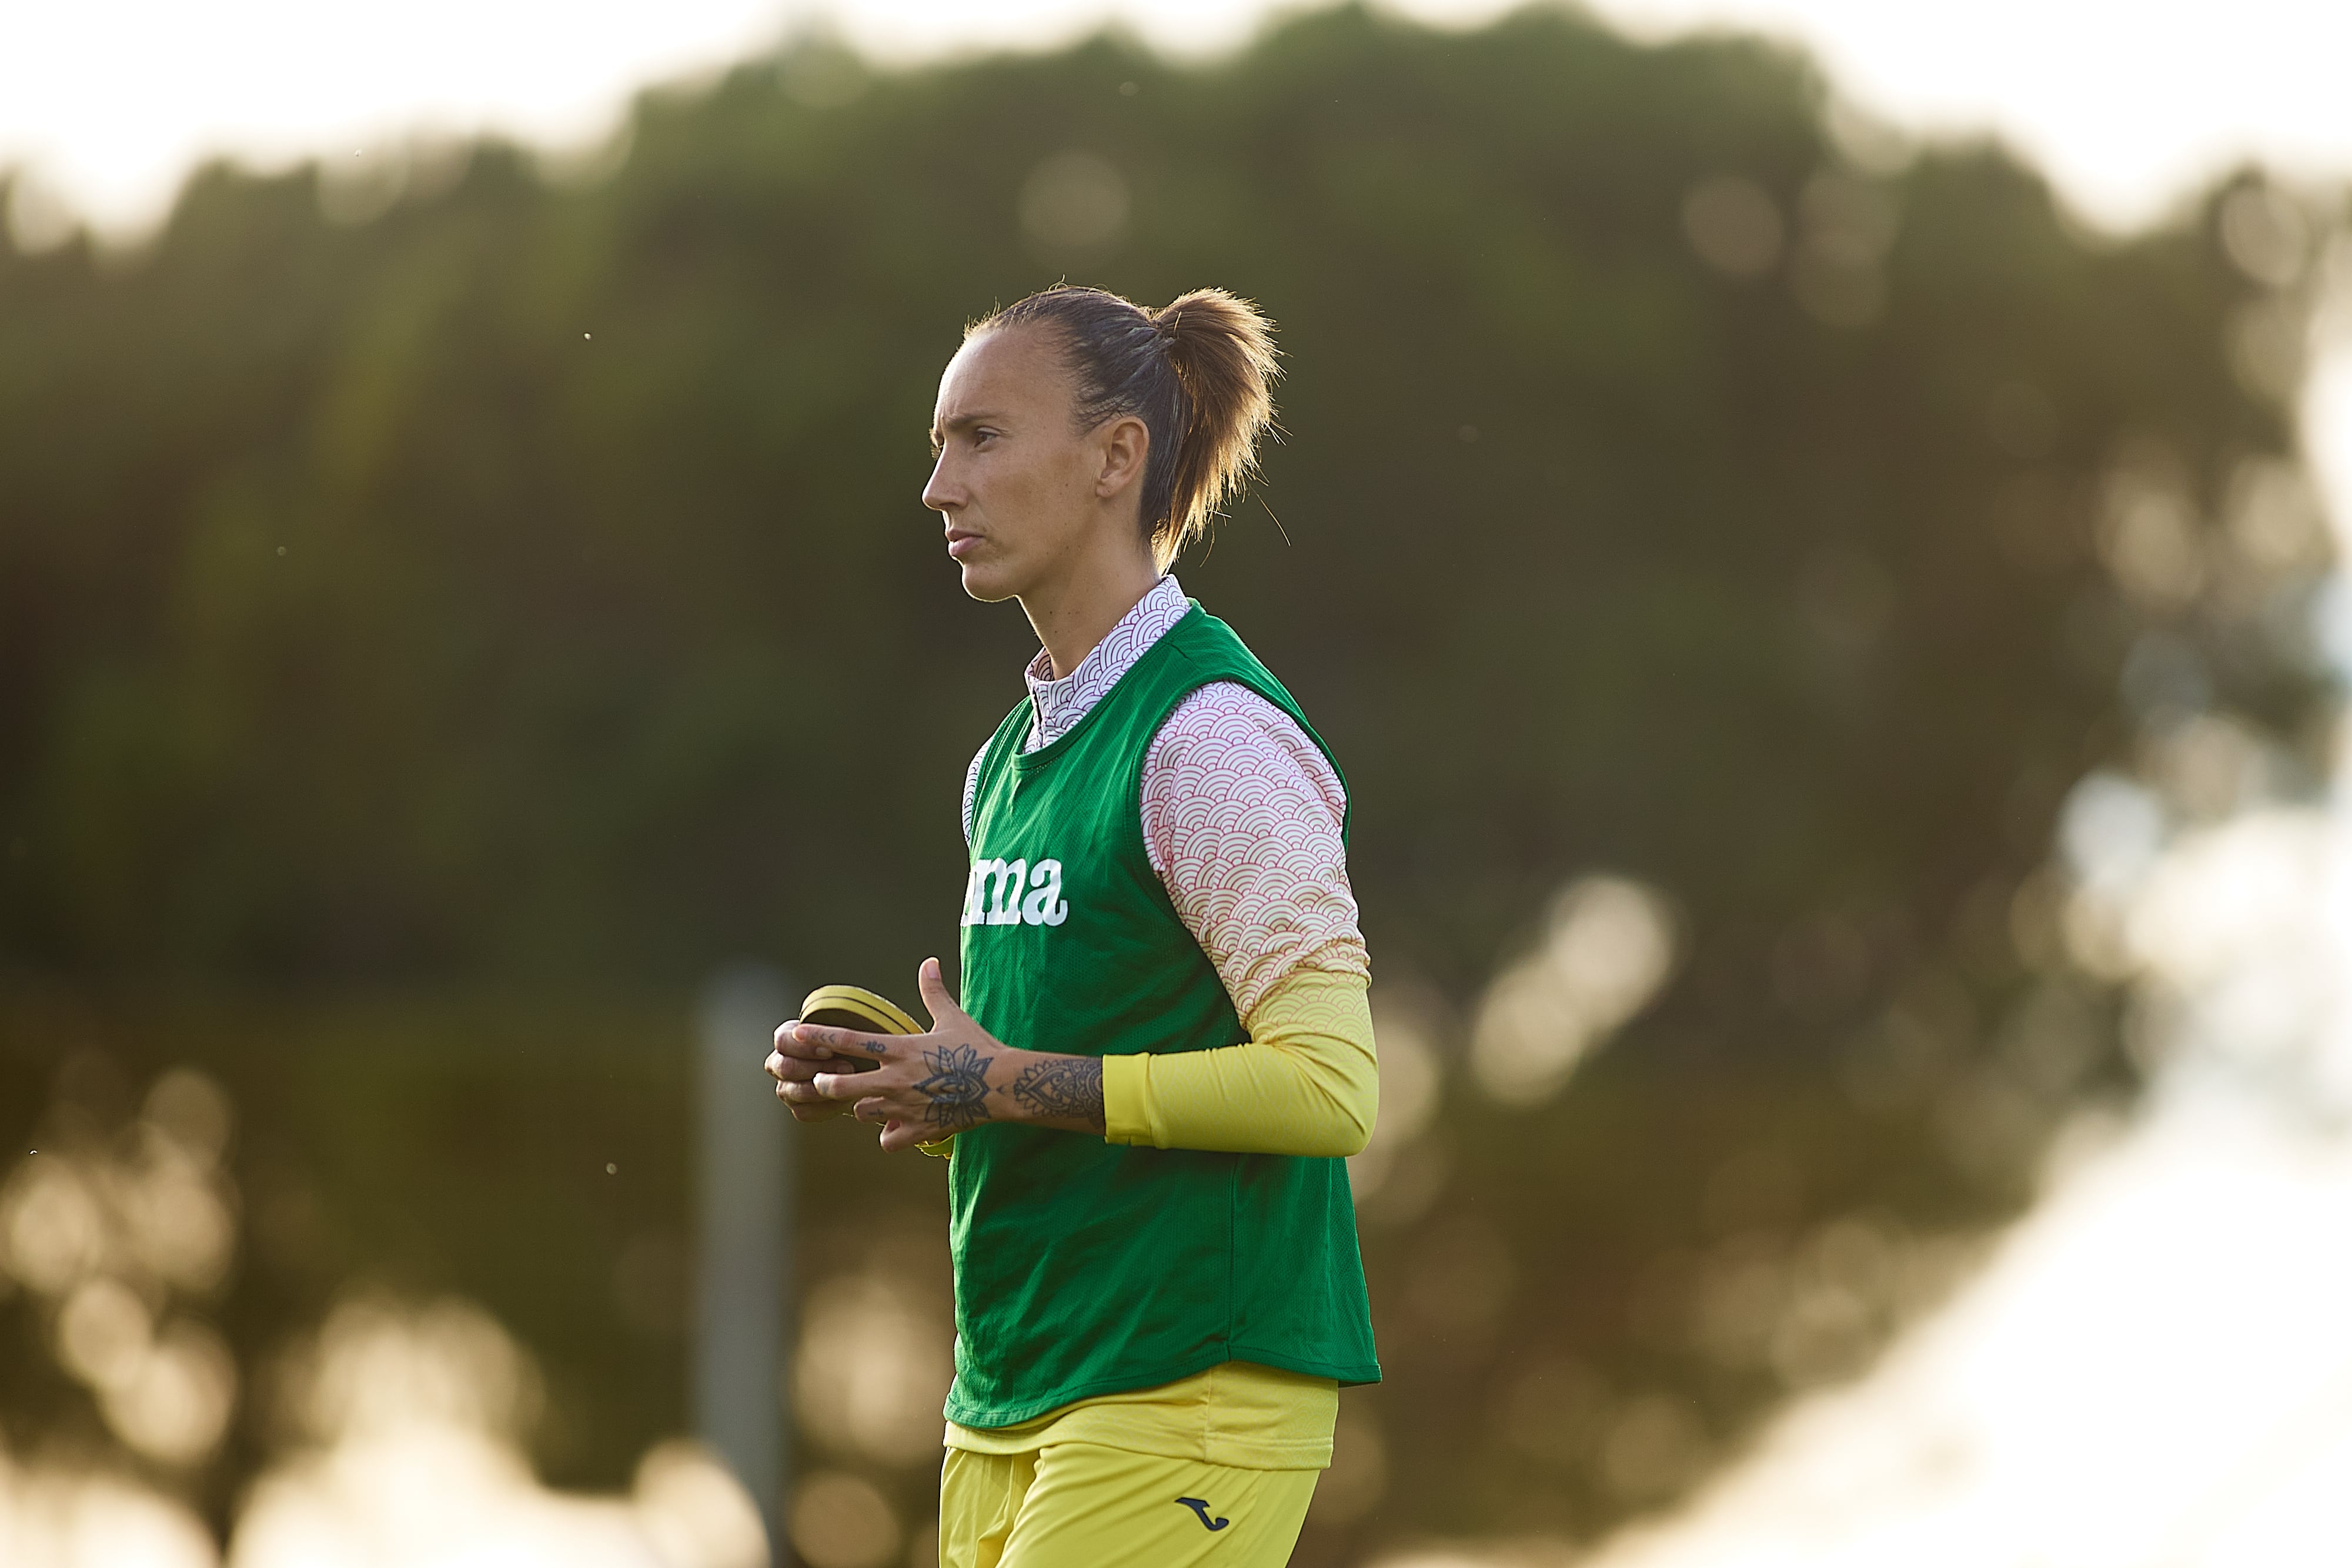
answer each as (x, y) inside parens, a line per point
(1084, 1267)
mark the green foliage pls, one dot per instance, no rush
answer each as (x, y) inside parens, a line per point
(592, 504)
(483, 593)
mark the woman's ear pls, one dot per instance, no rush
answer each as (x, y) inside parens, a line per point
(1125, 447)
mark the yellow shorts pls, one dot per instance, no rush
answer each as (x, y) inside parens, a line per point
(1083, 1505)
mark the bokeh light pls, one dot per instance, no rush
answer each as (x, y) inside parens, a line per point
(413, 1417)
(1607, 947)
(842, 1521)
(875, 1355)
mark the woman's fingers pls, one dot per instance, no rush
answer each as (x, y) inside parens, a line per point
(874, 1108)
(822, 1042)
(786, 1067)
(806, 1105)
(822, 1070)
(801, 1040)
(938, 1000)
(838, 1085)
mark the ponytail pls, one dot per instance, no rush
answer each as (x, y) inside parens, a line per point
(1197, 372)
(1222, 350)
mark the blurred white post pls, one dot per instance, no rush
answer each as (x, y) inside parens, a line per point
(743, 1246)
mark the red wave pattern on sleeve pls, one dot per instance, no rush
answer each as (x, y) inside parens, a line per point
(1241, 818)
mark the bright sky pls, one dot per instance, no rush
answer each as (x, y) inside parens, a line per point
(2127, 103)
(112, 100)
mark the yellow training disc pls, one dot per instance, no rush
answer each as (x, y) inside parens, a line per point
(852, 1007)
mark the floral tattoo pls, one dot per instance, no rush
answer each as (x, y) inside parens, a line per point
(957, 1088)
(1063, 1086)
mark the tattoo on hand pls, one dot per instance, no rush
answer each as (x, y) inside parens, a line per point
(1063, 1086)
(957, 1088)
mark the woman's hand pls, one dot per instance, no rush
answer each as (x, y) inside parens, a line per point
(794, 1067)
(927, 1087)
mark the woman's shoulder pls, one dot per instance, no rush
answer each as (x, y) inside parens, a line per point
(1223, 733)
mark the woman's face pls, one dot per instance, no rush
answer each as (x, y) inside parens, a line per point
(1017, 487)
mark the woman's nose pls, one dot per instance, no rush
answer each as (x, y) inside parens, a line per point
(940, 493)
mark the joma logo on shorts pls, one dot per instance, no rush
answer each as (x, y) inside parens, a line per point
(994, 896)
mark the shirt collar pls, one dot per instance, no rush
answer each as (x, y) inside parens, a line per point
(1059, 705)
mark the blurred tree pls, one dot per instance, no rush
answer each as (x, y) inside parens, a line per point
(470, 583)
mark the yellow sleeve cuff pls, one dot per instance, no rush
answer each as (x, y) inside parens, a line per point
(1127, 1111)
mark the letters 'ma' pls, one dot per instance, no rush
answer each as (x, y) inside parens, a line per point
(1013, 893)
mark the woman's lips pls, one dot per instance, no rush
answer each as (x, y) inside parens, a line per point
(961, 545)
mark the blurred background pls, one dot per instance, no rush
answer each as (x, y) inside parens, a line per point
(1815, 548)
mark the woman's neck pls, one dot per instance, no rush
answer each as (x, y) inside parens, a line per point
(1072, 615)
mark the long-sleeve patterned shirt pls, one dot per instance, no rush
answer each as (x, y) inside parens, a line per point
(1240, 814)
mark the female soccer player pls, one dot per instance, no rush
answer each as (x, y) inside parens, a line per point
(1163, 1049)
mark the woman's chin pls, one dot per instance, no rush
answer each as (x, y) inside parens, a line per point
(987, 581)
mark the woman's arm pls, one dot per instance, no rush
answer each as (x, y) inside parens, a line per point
(926, 1087)
(1240, 814)
(1305, 1081)
(1241, 817)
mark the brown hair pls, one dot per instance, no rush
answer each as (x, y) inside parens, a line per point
(1197, 372)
